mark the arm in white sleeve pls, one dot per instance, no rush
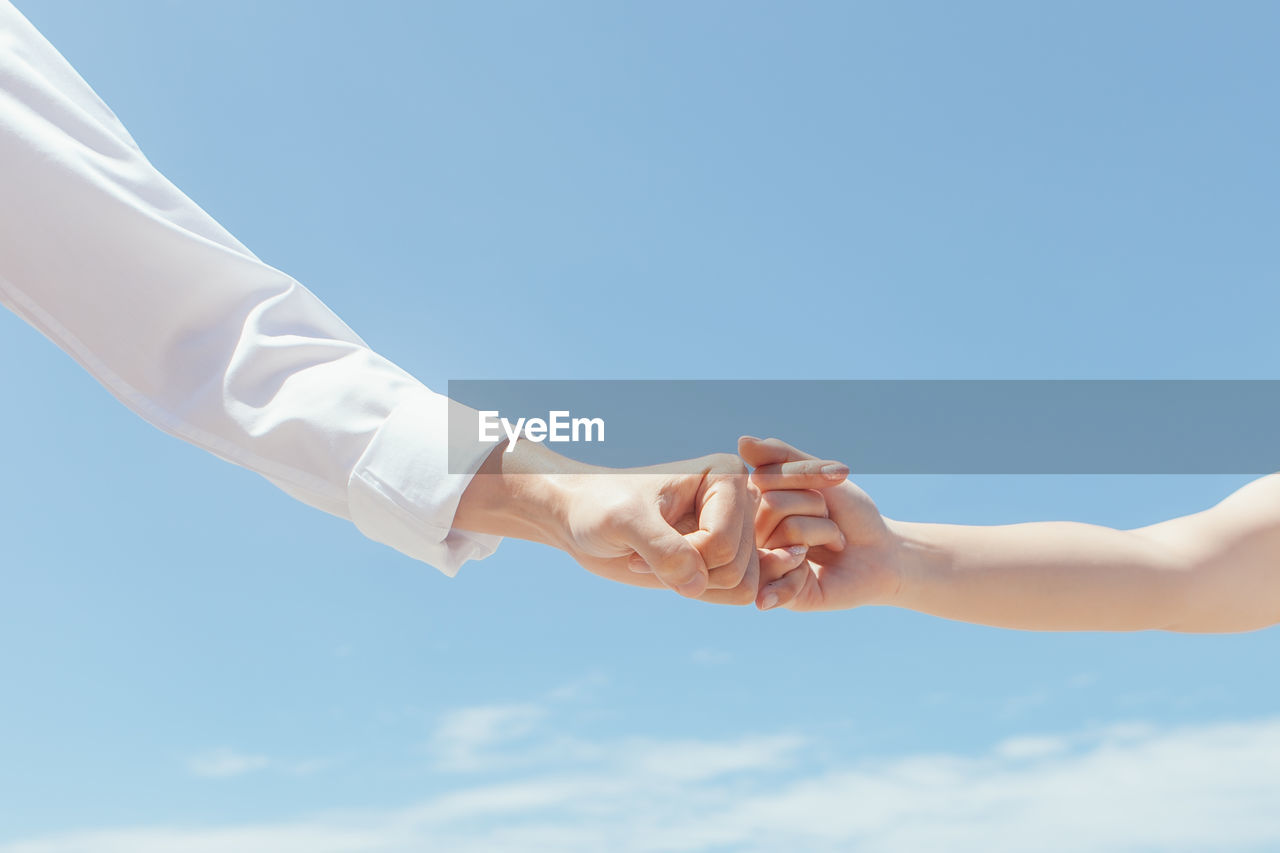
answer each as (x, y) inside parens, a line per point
(190, 330)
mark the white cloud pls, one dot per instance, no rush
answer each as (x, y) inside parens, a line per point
(1030, 747)
(227, 763)
(578, 689)
(692, 760)
(470, 739)
(1116, 788)
(224, 763)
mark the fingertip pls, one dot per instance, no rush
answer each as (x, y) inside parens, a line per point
(835, 471)
(783, 591)
(695, 571)
(782, 560)
(789, 557)
(777, 594)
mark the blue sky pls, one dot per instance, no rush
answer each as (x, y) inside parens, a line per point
(193, 661)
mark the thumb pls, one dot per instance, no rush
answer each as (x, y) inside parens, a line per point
(668, 555)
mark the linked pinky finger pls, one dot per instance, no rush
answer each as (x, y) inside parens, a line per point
(776, 562)
(784, 590)
(806, 530)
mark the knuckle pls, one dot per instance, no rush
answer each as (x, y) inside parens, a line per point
(619, 508)
(772, 502)
(766, 476)
(728, 463)
(765, 523)
(785, 529)
(813, 503)
(790, 531)
(720, 549)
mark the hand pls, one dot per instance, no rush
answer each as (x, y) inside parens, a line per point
(684, 525)
(851, 551)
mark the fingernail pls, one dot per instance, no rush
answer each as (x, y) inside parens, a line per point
(638, 565)
(797, 550)
(769, 601)
(835, 472)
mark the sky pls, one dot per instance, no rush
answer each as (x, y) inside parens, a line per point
(193, 661)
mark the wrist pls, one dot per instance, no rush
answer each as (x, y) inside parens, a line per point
(524, 494)
(915, 562)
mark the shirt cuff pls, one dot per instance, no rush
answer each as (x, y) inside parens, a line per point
(402, 492)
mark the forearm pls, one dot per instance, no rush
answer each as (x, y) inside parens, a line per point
(523, 494)
(1215, 571)
(194, 333)
(1053, 576)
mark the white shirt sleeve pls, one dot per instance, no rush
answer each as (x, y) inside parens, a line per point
(198, 336)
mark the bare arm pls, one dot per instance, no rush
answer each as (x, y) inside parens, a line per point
(1214, 571)
(1218, 570)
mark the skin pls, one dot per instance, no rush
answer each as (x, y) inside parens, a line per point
(1216, 571)
(687, 526)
